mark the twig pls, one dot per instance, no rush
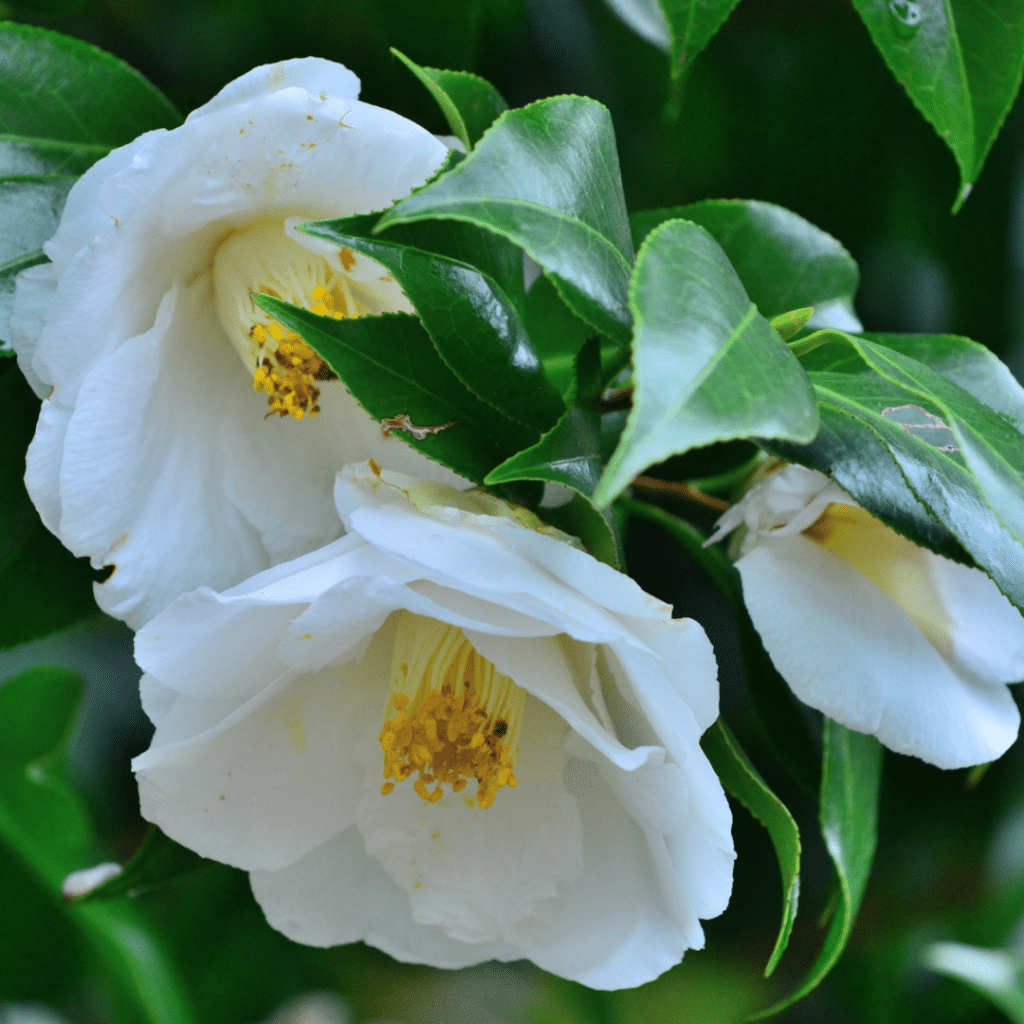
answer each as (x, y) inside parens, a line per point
(678, 489)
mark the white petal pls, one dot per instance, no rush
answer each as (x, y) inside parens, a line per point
(607, 587)
(540, 667)
(43, 460)
(987, 631)
(646, 19)
(34, 288)
(313, 74)
(848, 649)
(687, 661)
(610, 929)
(338, 894)
(457, 549)
(275, 778)
(483, 876)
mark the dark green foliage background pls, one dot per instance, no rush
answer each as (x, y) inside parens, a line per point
(792, 104)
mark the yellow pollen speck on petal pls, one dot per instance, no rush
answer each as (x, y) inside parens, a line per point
(457, 718)
(388, 787)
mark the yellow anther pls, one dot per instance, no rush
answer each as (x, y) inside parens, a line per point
(388, 787)
(291, 384)
(457, 715)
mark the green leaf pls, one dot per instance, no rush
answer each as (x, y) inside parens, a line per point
(743, 781)
(546, 177)
(555, 332)
(43, 587)
(469, 103)
(778, 716)
(784, 261)
(158, 860)
(44, 835)
(961, 63)
(851, 774)
(692, 24)
(392, 368)
(963, 461)
(964, 362)
(63, 101)
(63, 105)
(708, 366)
(858, 460)
(787, 325)
(992, 447)
(474, 324)
(570, 454)
(997, 974)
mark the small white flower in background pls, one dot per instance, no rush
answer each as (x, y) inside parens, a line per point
(185, 437)
(451, 734)
(881, 635)
(646, 19)
(79, 883)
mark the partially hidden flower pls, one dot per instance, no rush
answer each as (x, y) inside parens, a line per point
(451, 734)
(185, 438)
(881, 635)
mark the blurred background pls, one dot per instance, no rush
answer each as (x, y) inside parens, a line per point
(790, 103)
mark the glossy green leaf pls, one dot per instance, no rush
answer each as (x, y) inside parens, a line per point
(858, 460)
(964, 362)
(998, 974)
(708, 366)
(963, 460)
(43, 587)
(555, 332)
(474, 324)
(692, 23)
(784, 261)
(851, 774)
(546, 177)
(158, 860)
(469, 103)
(44, 835)
(787, 325)
(782, 727)
(570, 454)
(63, 102)
(991, 446)
(392, 368)
(744, 782)
(961, 63)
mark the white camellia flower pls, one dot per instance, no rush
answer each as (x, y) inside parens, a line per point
(179, 438)
(450, 734)
(881, 635)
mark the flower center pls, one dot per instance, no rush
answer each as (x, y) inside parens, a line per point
(450, 715)
(263, 258)
(890, 561)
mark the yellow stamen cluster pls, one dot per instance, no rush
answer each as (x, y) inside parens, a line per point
(289, 373)
(456, 716)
